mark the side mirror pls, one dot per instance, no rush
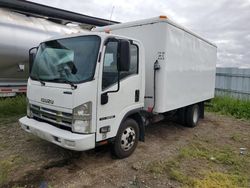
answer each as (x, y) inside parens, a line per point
(32, 55)
(123, 55)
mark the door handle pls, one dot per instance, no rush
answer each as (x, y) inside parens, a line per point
(137, 95)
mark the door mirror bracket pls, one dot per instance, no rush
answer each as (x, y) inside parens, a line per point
(105, 97)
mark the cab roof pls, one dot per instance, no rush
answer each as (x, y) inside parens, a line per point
(84, 33)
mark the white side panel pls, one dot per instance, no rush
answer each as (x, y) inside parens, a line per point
(189, 72)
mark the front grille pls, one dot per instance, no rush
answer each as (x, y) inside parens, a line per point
(53, 116)
(54, 124)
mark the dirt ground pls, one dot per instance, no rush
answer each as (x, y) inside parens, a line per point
(171, 156)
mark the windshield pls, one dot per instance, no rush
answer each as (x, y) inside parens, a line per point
(66, 60)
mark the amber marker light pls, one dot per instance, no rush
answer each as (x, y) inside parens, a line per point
(163, 17)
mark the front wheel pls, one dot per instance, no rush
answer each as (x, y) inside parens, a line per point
(126, 139)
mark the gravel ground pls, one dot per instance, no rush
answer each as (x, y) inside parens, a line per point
(27, 161)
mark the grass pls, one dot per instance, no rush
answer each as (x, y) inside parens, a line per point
(218, 179)
(229, 106)
(225, 156)
(8, 165)
(171, 168)
(10, 107)
(225, 168)
(237, 137)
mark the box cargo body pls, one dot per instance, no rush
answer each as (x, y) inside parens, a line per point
(187, 63)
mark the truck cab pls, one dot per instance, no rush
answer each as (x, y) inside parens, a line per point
(86, 90)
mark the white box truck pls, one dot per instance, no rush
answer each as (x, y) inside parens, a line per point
(105, 86)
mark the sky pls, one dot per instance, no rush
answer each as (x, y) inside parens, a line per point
(223, 22)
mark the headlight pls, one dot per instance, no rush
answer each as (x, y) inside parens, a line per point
(29, 113)
(82, 118)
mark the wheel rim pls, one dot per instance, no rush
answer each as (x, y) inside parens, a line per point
(128, 138)
(196, 115)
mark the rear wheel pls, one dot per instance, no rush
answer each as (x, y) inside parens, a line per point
(126, 139)
(192, 115)
(181, 116)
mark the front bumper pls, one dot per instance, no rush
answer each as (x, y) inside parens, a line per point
(60, 137)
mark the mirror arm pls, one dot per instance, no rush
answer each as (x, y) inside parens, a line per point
(31, 58)
(32, 49)
(104, 96)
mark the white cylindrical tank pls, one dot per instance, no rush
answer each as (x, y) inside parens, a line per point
(19, 33)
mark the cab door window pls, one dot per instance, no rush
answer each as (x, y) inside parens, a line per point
(110, 72)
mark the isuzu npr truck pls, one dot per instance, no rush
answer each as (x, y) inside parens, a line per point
(105, 86)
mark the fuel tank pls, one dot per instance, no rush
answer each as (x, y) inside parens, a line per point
(19, 33)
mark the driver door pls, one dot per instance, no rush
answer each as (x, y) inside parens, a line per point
(109, 115)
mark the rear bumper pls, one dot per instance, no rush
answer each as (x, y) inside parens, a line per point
(60, 137)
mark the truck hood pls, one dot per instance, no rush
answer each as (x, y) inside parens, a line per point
(51, 94)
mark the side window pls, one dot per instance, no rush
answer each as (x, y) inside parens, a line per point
(134, 59)
(110, 73)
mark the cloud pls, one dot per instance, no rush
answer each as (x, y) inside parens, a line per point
(224, 22)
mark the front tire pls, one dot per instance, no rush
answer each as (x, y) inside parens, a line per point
(126, 139)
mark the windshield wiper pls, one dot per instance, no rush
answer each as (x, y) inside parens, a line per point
(41, 81)
(73, 86)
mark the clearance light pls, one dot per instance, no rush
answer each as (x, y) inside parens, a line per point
(163, 17)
